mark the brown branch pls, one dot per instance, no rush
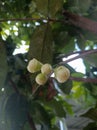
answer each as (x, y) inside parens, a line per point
(20, 19)
(14, 86)
(80, 21)
(31, 122)
(79, 56)
(72, 53)
(88, 80)
(31, 19)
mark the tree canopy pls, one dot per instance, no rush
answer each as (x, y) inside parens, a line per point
(49, 31)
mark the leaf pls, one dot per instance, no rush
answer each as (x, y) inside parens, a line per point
(55, 128)
(27, 126)
(56, 108)
(69, 46)
(3, 99)
(79, 6)
(83, 5)
(39, 114)
(64, 42)
(91, 59)
(42, 9)
(50, 8)
(66, 87)
(91, 126)
(16, 111)
(91, 113)
(3, 64)
(77, 74)
(78, 90)
(41, 46)
(55, 6)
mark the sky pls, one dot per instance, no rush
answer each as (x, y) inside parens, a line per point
(77, 64)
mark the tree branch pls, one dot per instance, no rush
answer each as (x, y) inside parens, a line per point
(31, 19)
(80, 21)
(87, 80)
(14, 86)
(75, 52)
(30, 120)
(20, 19)
(85, 53)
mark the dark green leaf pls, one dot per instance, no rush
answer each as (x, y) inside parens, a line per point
(27, 126)
(37, 110)
(56, 107)
(3, 64)
(16, 111)
(91, 113)
(3, 100)
(91, 126)
(42, 9)
(41, 46)
(91, 59)
(55, 6)
(69, 45)
(50, 8)
(66, 87)
(79, 6)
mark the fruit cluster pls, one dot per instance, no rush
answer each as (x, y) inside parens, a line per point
(61, 73)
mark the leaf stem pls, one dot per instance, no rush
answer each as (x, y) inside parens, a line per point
(88, 80)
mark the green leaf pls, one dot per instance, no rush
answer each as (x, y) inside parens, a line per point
(66, 87)
(91, 59)
(41, 46)
(64, 42)
(69, 46)
(27, 126)
(79, 6)
(56, 108)
(50, 8)
(39, 114)
(78, 90)
(77, 74)
(42, 9)
(3, 64)
(55, 6)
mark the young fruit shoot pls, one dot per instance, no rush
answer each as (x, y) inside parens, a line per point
(61, 73)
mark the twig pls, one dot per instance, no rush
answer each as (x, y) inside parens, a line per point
(31, 19)
(88, 80)
(72, 53)
(79, 56)
(14, 86)
(19, 19)
(30, 120)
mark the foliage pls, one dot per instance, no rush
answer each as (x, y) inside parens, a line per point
(49, 31)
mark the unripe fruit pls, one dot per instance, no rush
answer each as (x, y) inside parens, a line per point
(41, 79)
(34, 65)
(62, 74)
(46, 69)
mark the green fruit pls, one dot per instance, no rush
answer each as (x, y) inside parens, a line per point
(34, 65)
(41, 79)
(46, 69)
(62, 74)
